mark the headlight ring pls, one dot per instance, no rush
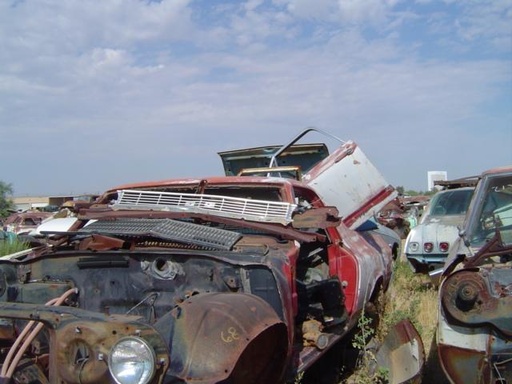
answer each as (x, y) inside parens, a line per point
(132, 361)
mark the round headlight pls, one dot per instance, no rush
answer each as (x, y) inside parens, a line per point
(132, 361)
(413, 247)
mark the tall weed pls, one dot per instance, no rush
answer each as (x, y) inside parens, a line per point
(8, 247)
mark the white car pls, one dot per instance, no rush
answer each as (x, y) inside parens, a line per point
(428, 244)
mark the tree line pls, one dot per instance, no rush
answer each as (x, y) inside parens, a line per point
(6, 203)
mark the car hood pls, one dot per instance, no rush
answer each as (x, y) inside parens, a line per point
(434, 232)
(454, 220)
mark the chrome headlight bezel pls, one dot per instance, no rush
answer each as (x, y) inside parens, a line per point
(127, 352)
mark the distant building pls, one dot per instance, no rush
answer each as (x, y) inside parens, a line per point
(435, 176)
(27, 203)
(51, 203)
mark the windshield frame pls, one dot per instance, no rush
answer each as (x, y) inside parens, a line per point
(480, 212)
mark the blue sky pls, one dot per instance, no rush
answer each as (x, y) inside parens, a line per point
(99, 93)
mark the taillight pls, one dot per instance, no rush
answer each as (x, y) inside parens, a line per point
(428, 247)
(443, 246)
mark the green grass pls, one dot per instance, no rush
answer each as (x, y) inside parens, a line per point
(8, 247)
(410, 296)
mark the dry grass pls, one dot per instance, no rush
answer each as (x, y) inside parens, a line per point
(412, 296)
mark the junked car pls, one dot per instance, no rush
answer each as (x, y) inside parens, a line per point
(427, 245)
(391, 237)
(232, 279)
(22, 223)
(474, 333)
(395, 217)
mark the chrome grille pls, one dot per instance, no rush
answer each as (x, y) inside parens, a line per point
(233, 207)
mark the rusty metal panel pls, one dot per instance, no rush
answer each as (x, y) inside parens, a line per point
(80, 341)
(471, 299)
(217, 336)
(24, 222)
(462, 366)
(474, 333)
(402, 353)
(168, 229)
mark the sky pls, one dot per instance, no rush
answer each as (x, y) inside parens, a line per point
(94, 94)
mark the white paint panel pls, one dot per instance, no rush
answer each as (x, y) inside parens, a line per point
(349, 181)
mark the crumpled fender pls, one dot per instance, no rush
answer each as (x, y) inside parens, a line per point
(215, 336)
(402, 353)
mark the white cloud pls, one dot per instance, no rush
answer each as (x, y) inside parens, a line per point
(307, 9)
(137, 88)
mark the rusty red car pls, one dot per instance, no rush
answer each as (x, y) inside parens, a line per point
(22, 223)
(228, 279)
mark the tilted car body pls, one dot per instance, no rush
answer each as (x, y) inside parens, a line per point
(236, 279)
(428, 244)
(474, 334)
